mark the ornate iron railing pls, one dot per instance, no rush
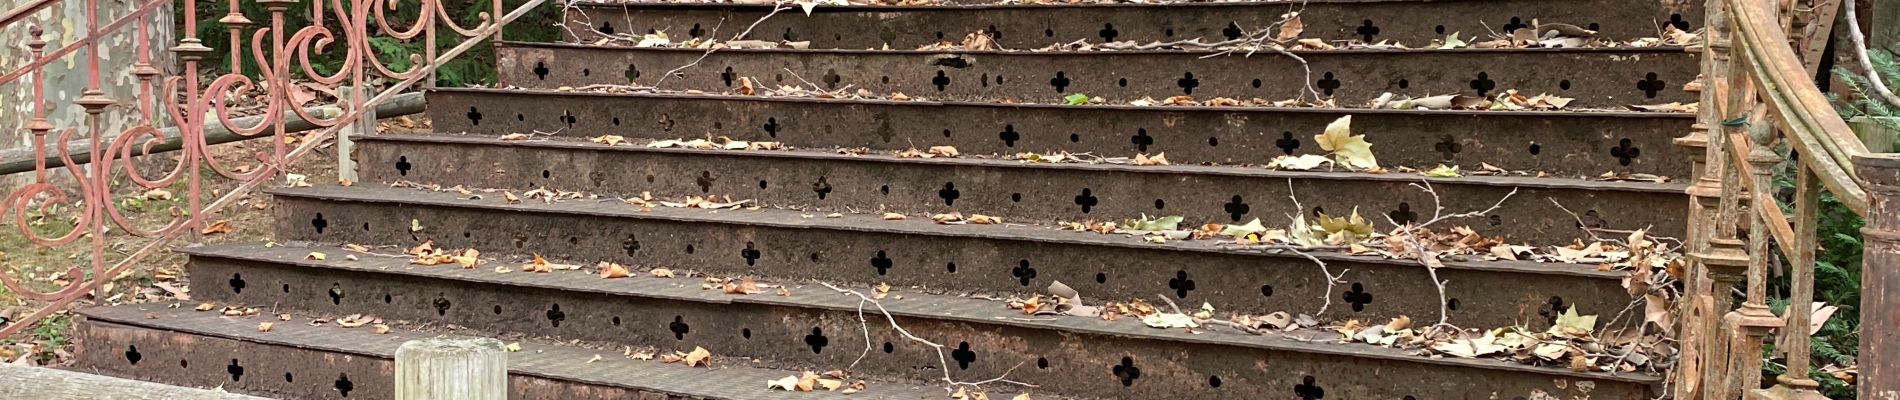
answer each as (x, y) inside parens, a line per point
(1758, 96)
(191, 103)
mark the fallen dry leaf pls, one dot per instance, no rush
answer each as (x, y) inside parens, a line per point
(221, 226)
(612, 270)
(661, 273)
(699, 356)
(264, 327)
(891, 216)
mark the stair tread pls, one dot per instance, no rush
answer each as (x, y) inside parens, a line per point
(872, 223)
(1197, 53)
(637, 146)
(815, 296)
(927, 102)
(1619, 76)
(554, 361)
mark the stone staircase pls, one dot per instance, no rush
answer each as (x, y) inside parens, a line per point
(816, 211)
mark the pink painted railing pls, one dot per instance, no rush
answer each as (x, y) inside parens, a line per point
(191, 103)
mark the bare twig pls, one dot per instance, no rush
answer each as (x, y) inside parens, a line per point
(1428, 258)
(781, 6)
(942, 359)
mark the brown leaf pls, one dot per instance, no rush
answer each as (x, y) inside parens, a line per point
(1291, 29)
(355, 320)
(610, 140)
(981, 219)
(612, 271)
(221, 226)
(943, 151)
(893, 216)
(204, 307)
(745, 86)
(264, 326)
(743, 286)
(1158, 159)
(661, 273)
(382, 329)
(699, 356)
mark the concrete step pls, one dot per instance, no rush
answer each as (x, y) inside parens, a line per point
(1000, 260)
(1029, 26)
(809, 326)
(1601, 78)
(1044, 193)
(173, 344)
(1560, 143)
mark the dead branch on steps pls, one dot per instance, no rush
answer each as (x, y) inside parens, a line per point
(943, 360)
(1429, 258)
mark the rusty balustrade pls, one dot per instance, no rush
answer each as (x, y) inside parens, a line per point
(193, 103)
(1758, 96)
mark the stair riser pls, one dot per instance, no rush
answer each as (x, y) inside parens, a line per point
(1597, 78)
(1078, 364)
(1232, 282)
(1565, 144)
(1020, 27)
(184, 359)
(1018, 192)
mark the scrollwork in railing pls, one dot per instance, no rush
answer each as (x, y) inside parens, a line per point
(190, 104)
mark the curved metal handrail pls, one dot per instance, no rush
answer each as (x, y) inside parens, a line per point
(1796, 105)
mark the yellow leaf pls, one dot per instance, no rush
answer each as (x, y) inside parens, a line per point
(264, 327)
(514, 136)
(513, 347)
(1444, 172)
(316, 256)
(1348, 150)
(382, 329)
(893, 216)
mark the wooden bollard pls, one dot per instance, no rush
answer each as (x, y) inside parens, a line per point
(452, 369)
(1880, 277)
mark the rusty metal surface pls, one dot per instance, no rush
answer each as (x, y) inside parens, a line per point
(1561, 143)
(999, 259)
(1596, 77)
(1026, 26)
(297, 361)
(131, 88)
(816, 328)
(1037, 193)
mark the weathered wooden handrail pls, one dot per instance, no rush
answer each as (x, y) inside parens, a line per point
(1759, 94)
(1802, 113)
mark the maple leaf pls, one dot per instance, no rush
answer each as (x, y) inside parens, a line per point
(1348, 150)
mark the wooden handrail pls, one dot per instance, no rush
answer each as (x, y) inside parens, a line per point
(1799, 109)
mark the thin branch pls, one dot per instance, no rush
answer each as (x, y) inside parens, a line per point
(1860, 55)
(781, 6)
(1429, 258)
(942, 359)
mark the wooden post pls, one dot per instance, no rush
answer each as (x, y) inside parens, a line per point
(445, 368)
(365, 124)
(1880, 278)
